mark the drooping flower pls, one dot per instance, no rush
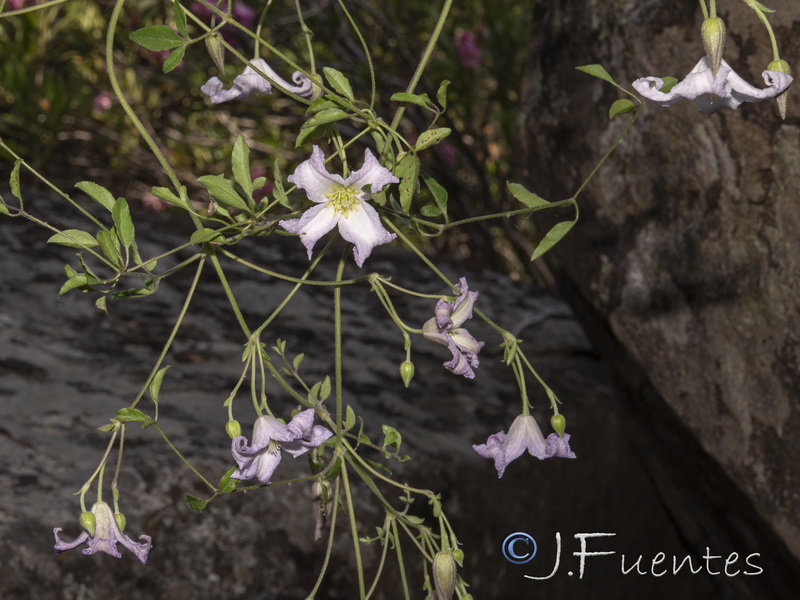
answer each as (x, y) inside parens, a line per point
(445, 329)
(105, 537)
(250, 82)
(260, 459)
(711, 93)
(341, 202)
(524, 434)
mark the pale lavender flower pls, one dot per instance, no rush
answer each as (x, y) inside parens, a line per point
(270, 436)
(341, 202)
(711, 93)
(524, 434)
(251, 82)
(105, 537)
(445, 329)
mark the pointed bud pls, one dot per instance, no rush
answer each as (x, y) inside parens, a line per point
(216, 51)
(233, 429)
(88, 522)
(407, 372)
(444, 575)
(121, 521)
(713, 32)
(559, 424)
(781, 66)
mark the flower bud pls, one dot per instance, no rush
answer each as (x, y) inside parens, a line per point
(216, 51)
(121, 521)
(444, 575)
(88, 522)
(406, 372)
(559, 424)
(233, 429)
(713, 32)
(781, 66)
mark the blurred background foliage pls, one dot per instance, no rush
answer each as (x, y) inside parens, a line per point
(58, 112)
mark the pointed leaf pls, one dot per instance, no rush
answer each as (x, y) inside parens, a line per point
(97, 193)
(407, 171)
(174, 59)
(195, 503)
(13, 180)
(597, 71)
(168, 196)
(240, 160)
(329, 115)
(223, 191)
(279, 192)
(78, 281)
(418, 99)
(620, 107)
(529, 199)
(441, 94)
(123, 222)
(180, 18)
(437, 191)
(156, 38)
(155, 383)
(431, 137)
(109, 244)
(338, 82)
(552, 237)
(74, 238)
(133, 415)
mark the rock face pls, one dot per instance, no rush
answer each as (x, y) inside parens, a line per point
(686, 261)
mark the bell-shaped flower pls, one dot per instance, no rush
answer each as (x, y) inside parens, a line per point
(523, 435)
(251, 82)
(711, 93)
(446, 329)
(105, 537)
(341, 202)
(260, 459)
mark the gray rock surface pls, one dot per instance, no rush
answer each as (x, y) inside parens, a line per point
(686, 260)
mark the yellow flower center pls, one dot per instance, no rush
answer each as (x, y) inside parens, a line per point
(343, 199)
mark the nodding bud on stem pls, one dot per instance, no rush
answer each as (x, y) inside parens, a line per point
(233, 429)
(713, 32)
(406, 372)
(559, 424)
(88, 522)
(444, 575)
(121, 521)
(217, 52)
(781, 66)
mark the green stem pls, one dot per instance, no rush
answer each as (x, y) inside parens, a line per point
(183, 458)
(337, 350)
(329, 551)
(353, 530)
(229, 293)
(400, 562)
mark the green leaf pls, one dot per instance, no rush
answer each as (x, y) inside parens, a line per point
(329, 115)
(101, 303)
(240, 160)
(97, 193)
(168, 196)
(157, 38)
(180, 18)
(552, 237)
(308, 134)
(80, 280)
(438, 192)
(195, 503)
(109, 244)
(418, 99)
(136, 292)
(155, 383)
(74, 238)
(338, 82)
(430, 210)
(391, 437)
(325, 388)
(529, 199)
(223, 191)
(441, 94)
(226, 484)
(350, 418)
(4, 210)
(13, 180)
(597, 71)
(204, 235)
(620, 107)
(123, 222)
(174, 59)
(407, 171)
(669, 83)
(133, 415)
(279, 192)
(298, 360)
(431, 138)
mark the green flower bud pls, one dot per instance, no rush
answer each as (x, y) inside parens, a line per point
(559, 424)
(217, 52)
(781, 66)
(121, 521)
(88, 522)
(406, 371)
(233, 429)
(713, 32)
(444, 575)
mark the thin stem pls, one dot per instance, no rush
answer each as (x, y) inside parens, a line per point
(329, 550)
(183, 458)
(337, 321)
(354, 531)
(229, 293)
(400, 562)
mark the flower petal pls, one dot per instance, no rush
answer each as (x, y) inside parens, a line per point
(362, 227)
(493, 448)
(467, 344)
(250, 82)
(558, 446)
(312, 176)
(312, 225)
(371, 173)
(462, 309)
(459, 365)
(214, 89)
(316, 437)
(525, 434)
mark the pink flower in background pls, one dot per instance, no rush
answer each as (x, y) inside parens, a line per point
(103, 101)
(264, 190)
(151, 202)
(467, 48)
(242, 13)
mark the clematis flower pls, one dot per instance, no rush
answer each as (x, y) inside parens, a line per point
(250, 82)
(105, 537)
(711, 93)
(445, 329)
(270, 436)
(341, 202)
(524, 434)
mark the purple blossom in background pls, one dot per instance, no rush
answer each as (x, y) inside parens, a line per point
(445, 329)
(341, 202)
(105, 538)
(524, 434)
(726, 90)
(260, 459)
(241, 13)
(467, 49)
